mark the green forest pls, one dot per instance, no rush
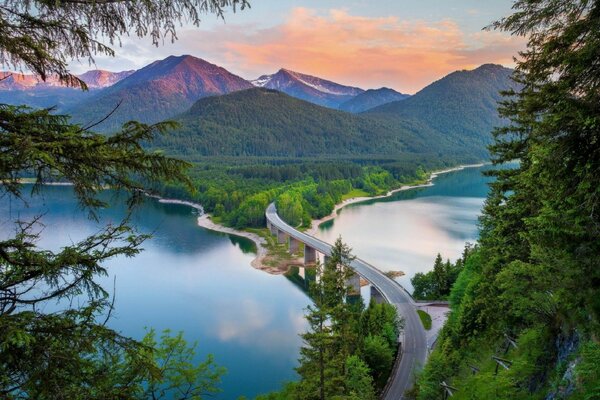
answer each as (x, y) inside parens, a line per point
(524, 300)
(525, 306)
(237, 193)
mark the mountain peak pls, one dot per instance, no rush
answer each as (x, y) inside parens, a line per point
(307, 87)
(372, 98)
(491, 67)
(161, 90)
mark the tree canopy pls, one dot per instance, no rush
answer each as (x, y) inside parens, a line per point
(530, 292)
(44, 35)
(71, 352)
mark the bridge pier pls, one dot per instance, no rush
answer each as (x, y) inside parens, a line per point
(273, 229)
(293, 245)
(354, 283)
(377, 296)
(281, 237)
(310, 255)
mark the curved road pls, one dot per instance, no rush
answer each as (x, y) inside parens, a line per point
(414, 344)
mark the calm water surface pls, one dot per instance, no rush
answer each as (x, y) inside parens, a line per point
(200, 282)
(192, 280)
(404, 232)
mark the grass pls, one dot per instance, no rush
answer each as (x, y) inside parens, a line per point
(217, 220)
(355, 193)
(425, 319)
(277, 253)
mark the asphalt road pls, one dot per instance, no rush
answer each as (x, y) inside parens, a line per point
(414, 342)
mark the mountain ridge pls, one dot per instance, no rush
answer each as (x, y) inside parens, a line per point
(95, 79)
(462, 105)
(372, 98)
(158, 91)
(263, 122)
(307, 87)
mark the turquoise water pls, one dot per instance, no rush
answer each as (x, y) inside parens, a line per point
(188, 279)
(405, 231)
(201, 282)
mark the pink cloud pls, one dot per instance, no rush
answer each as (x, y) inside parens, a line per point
(355, 50)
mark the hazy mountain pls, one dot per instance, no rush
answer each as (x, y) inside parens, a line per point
(98, 79)
(95, 79)
(371, 99)
(309, 88)
(461, 106)
(264, 122)
(26, 89)
(158, 91)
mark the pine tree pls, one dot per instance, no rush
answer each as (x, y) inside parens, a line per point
(72, 353)
(332, 335)
(320, 372)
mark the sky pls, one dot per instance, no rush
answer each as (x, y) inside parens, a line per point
(401, 44)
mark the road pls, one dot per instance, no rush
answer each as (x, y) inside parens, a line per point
(414, 343)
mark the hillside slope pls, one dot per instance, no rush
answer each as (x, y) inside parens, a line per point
(157, 92)
(310, 88)
(461, 106)
(372, 98)
(26, 89)
(263, 122)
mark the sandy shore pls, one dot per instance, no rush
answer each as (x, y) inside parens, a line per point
(206, 222)
(261, 251)
(316, 222)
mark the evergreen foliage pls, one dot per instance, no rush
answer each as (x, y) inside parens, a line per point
(263, 122)
(462, 107)
(436, 284)
(348, 351)
(534, 279)
(71, 353)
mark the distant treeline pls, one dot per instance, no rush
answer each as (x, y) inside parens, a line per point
(238, 193)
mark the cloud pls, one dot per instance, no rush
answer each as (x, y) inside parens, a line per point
(350, 49)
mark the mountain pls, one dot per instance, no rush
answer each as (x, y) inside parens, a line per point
(95, 79)
(461, 106)
(19, 89)
(310, 88)
(371, 99)
(98, 79)
(157, 92)
(265, 122)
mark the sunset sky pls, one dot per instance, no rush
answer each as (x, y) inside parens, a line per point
(402, 44)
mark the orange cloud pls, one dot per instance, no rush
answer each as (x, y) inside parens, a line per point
(356, 50)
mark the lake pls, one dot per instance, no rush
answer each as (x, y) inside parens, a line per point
(405, 231)
(189, 279)
(201, 282)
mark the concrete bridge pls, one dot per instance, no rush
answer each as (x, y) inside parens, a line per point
(414, 342)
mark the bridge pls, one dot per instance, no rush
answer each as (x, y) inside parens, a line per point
(414, 343)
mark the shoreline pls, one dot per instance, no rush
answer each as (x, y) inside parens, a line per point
(205, 221)
(314, 227)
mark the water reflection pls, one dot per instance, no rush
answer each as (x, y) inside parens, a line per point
(188, 279)
(404, 232)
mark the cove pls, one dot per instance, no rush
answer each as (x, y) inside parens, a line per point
(405, 231)
(187, 279)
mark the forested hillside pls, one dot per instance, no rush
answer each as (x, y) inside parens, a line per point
(372, 98)
(526, 305)
(461, 106)
(262, 122)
